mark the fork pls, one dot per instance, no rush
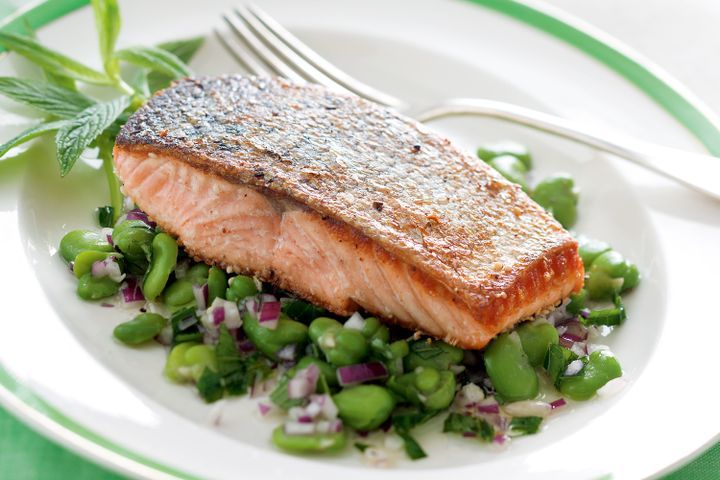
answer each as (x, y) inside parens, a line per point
(264, 47)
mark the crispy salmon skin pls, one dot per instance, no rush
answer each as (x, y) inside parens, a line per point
(345, 203)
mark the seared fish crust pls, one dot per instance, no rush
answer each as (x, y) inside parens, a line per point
(346, 203)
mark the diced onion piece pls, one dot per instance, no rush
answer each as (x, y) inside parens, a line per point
(269, 314)
(574, 368)
(560, 402)
(361, 372)
(201, 295)
(288, 352)
(355, 322)
(131, 291)
(107, 268)
(528, 408)
(304, 382)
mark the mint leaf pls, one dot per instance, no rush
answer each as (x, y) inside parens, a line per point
(525, 425)
(457, 423)
(183, 49)
(51, 60)
(156, 59)
(32, 132)
(107, 24)
(210, 386)
(412, 447)
(44, 96)
(73, 138)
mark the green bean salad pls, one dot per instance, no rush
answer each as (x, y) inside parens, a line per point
(337, 380)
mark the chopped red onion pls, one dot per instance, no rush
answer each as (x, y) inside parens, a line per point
(187, 322)
(201, 296)
(560, 402)
(361, 372)
(264, 409)
(106, 305)
(574, 368)
(326, 405)
(267, 298)
(222, 311)
(305, 419)
(469, 434)
(355, 322)
(109, 239)
(107, 268)
(269, 314)
(297, 428)
(165, 337)
(137, 214)
(304, 382)
(218, 315)
(585, 312)
(288, 352)
(131, 291)
(246, 346)
(500, 439)
(488, 408)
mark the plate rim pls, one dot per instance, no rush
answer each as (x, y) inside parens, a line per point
(657, 84)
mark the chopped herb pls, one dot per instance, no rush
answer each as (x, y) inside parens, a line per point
(412, 447)
(210, 386)
(105, 216)
(227, 353)
(405, 420)
(408, 419)
(457, 423)
(426, 350)
(302, 311)
(525, 425)
(608, 316)
(191, 333)
(361, 446)
(280, 396)
(557, 360)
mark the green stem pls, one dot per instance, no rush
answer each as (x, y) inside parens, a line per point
(116, 196)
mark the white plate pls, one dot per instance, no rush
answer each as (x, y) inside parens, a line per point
(62, 372)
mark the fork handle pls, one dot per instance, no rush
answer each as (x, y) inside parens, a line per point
(697, 171)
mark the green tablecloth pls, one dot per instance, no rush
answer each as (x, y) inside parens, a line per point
(25, 455)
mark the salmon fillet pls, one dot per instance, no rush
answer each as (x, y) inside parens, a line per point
(345, 203)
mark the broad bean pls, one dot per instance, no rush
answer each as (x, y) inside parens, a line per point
(536, 338)
(240, 287)
(187, 361)
(435, 354)
(490, 151)
(179, 293)
(600, 367)
(512, 169)
(140, 329)
(589, 249)
(317, 442)
(364, 407)
(94, 288)
(217, 283)
(557, 195)
(509, 368)
(84, 261)
(372, 328)
(134, 239)
(164, 258)
(343, 346)
(271, 341)
(78, 241)
(610, 273)
(425, 387)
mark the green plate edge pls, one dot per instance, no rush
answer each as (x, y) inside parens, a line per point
(688, 112)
